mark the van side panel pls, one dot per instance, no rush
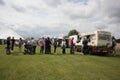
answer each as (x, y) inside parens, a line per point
(97, 45)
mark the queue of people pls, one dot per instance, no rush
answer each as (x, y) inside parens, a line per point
(30, 46)
(10, 45)
(46, 43)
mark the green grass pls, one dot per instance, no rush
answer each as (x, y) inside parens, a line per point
(58, 67)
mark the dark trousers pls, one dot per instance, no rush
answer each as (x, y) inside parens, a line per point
(84, 49)
(48, 50)
(34, 49)
(12, 48)
(8, 49)
(71, 49)
(63, 50)
(42, 49)
(55, 49)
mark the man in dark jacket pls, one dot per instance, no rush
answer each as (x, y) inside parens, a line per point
(8, 46)
(13, 42)
(113, 45)
(84, 47)
(48, 46)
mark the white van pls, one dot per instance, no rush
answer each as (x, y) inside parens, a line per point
(98, 41)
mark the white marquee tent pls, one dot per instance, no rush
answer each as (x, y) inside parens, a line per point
(5, 32)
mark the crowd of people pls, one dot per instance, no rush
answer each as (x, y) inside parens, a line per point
(10, 45)
(30, 46)
(46, 43)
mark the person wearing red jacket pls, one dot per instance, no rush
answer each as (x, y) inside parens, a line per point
(71, 46)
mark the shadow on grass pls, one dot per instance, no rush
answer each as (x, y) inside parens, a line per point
(17, 53)
(68, 54)
(115, 56)
(107, 55)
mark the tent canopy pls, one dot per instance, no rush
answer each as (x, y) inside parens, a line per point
(5, 32)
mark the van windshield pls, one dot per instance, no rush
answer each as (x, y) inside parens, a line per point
(104, 37)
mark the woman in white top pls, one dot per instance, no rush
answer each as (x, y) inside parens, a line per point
(63, 45)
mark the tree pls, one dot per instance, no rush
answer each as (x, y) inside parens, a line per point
(73, 32)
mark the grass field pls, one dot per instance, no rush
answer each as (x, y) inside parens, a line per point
(58, 67)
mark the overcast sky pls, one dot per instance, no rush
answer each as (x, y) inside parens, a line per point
(53, 17)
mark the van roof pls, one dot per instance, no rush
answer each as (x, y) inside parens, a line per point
(94, 32)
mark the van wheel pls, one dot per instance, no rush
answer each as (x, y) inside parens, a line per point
(110, 53)
(90, 52)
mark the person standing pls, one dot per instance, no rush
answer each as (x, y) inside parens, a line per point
(55, 45)
(20, 44)
(42, 45)
(63, 45)
(8, 46)
(84, 45)
(48, 43)
(114, 45)
(33, 45)
(46, 46)
(13, 42)
(71, 46)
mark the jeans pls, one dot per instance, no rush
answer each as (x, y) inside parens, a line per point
(71, 49)
(55, 49)
(34, 49)
(63, 50)
(41, 49)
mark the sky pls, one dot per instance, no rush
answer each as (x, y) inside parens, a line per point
(36, 18)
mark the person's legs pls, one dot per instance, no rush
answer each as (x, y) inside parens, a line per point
(54, 49)
(73, 49)
(19, 48)
(47, 50)
(8, 50)
(50, 49)
(40, 49)
(12, 47)
(31, 50)
(70, 49)
(34, 49)
(83, 49)
(63, 51)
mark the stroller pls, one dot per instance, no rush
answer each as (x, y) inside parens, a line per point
(28, 49)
